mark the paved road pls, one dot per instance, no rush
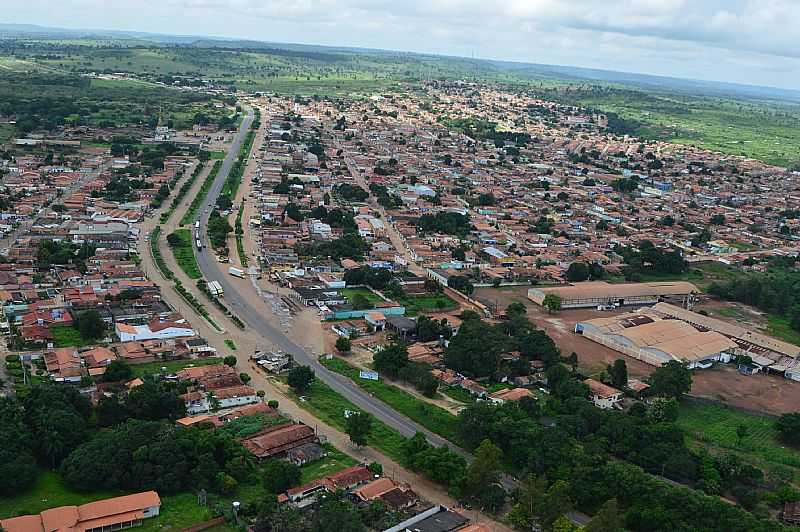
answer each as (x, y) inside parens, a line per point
(258, 320)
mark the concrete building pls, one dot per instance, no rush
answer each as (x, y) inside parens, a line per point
(646, 337)
(602, 294)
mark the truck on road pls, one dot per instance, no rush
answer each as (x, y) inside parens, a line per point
(236, 272)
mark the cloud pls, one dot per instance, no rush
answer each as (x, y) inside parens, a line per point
(737, 40)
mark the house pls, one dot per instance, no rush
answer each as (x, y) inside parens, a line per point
(306, 453)
(63, 364)
(602, 395)
(376, 319)
(396, 496)
(99, 516)
(307, 494)
(278, 439)
(98, 357)
(509, 394)
(155, 330)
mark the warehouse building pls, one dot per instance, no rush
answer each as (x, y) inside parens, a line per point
(601, 294)
(655, 341)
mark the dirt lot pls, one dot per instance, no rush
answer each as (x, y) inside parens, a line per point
(771, 394)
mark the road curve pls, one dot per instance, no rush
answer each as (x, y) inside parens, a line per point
(257, 319)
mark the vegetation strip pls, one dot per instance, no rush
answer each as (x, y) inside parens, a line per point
(201, 194)
(432, 417)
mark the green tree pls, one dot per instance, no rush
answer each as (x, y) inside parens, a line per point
(343, 344)
(230, 360)
(606, 519)
(618, 371)
(117, 370)
(300, 379)
(672, 379)
(391, 359)
(357, 426)
(788, 427)
(280, 475)
(482, 475)
(336, 514)
(91, 325)
(577, 271)
(552, 302)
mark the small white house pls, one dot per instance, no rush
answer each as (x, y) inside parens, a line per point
(602, 395)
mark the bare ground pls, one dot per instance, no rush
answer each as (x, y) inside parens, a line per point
(770, 394)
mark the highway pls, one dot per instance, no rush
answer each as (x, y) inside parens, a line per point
(257, 317)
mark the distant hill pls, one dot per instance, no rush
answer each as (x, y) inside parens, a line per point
(525, 70)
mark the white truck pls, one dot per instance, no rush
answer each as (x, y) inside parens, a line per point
(215, 288)
(236, 272)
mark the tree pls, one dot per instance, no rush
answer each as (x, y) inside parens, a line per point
(741, 433)
(606, 519)
(516, 310)
(343, 344)
(117, 370)
(230, 360)
(483, 473)
(154, 400)
(618, 373)
(18, 469)
(718, 219)
(280, 475)
(337, 514)
(475, 350)
(788, 427)
(577, 271)
(552, 302)
(358, 426)
(391, 359)
(91, 325)
(672, 379)
(300, 378)
(245, 378)
(111, 411)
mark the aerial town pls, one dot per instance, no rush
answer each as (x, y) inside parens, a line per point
(447, 307)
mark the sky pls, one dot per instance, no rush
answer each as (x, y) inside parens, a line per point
(743, 41)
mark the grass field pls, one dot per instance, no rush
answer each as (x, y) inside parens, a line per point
(427, 303)
(779, 327)
(183, 251)
(217, 155)
(350, 293)
(329, 407)
(69, 336)
(714, 426)
(431, 417)
(230, 344)
(172, 365)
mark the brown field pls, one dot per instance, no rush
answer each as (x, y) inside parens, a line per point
(770, 394)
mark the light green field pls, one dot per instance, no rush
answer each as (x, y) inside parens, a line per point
(714, 426)
(184, 254)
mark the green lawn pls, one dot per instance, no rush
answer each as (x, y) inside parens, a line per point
(230, 344)
(350, 293)
(172, 365)
(69, 336)
(335, 461)
(47, 492)
(427, 303)
(714, 426)
(217, 155)
(430, 416)
(328, 406)
(183, 251)
(779, 327)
